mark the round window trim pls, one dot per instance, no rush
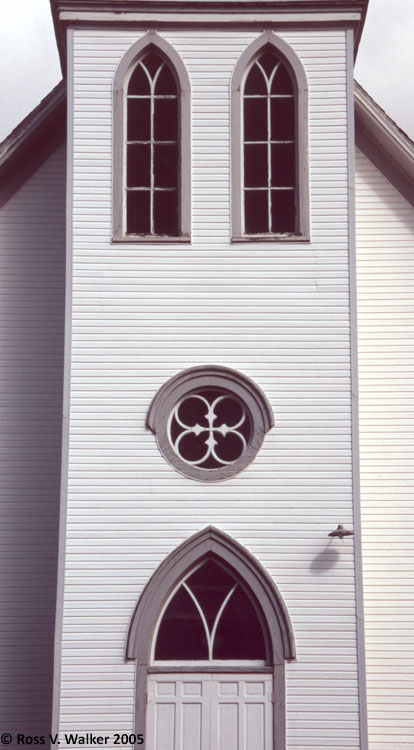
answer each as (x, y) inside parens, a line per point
(215, 378)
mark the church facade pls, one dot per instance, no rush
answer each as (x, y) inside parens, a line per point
(207, 251)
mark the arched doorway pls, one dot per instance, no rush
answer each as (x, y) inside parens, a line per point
(210, 635)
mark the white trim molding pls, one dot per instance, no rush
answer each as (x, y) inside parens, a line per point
(359, 602)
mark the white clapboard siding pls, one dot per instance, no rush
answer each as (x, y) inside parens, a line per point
(277, 312)
(385, 271)
(32, 268)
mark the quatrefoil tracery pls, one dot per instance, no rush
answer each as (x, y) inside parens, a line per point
(209, 429)
(210, 421)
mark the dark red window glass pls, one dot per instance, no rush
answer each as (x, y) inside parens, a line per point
(181, 634)
(269, 148)
(152, 158)
(211, 617)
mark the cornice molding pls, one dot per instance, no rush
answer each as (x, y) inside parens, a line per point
(159, 13)
(206, 6)
(384, 143)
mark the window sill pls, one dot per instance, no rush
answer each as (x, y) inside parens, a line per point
(140, 239)
(194, 666)
(271, 238)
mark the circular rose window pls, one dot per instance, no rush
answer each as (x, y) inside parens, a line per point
(210, 422)
(210, 429)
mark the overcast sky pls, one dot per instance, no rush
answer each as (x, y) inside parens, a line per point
(30, 67)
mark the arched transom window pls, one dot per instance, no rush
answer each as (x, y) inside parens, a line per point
(152, 149)
(211, 617)
(269, 148)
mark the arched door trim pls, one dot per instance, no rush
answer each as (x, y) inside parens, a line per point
(209, 542)
(212, 543)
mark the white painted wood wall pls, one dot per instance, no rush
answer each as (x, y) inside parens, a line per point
(385, 274)
(32, 268)
(280, 314)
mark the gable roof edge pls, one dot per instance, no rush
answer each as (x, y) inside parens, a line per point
(384, 143)
(44, 129)
(32, 142)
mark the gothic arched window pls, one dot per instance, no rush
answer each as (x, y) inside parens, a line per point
(152, 149)
(210, 624)
(210, 618)
(269, 148)
(269, 105)
(151, 144)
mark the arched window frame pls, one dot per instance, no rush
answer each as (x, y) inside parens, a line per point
(150, 42)
(211, 543)
(269, 41)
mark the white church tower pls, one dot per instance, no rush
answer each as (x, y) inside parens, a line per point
(210, 403)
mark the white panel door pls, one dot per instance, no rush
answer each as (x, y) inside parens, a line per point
(241, 712)
(178, 712)
(209, 712)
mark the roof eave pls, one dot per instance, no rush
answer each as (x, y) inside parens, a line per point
(30, 144)
(384, 143)
(44, 129)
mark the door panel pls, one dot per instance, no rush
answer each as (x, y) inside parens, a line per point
(209, 712)
(165, 726)
(177, 713)
(241, 712)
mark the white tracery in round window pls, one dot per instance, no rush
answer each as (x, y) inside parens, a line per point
(210, 421)
(209, 429)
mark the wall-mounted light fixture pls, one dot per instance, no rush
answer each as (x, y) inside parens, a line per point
(340, 532)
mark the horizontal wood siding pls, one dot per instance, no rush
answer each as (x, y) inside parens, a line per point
(32, 267)
(385, 273)
(277, 312)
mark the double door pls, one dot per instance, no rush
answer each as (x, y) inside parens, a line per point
(209, 711)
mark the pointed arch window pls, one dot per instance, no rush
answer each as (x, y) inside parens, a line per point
(269, 148)
(210, 612)
(151, 137)
(270, 189)
(210, 618)
(152, 149)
